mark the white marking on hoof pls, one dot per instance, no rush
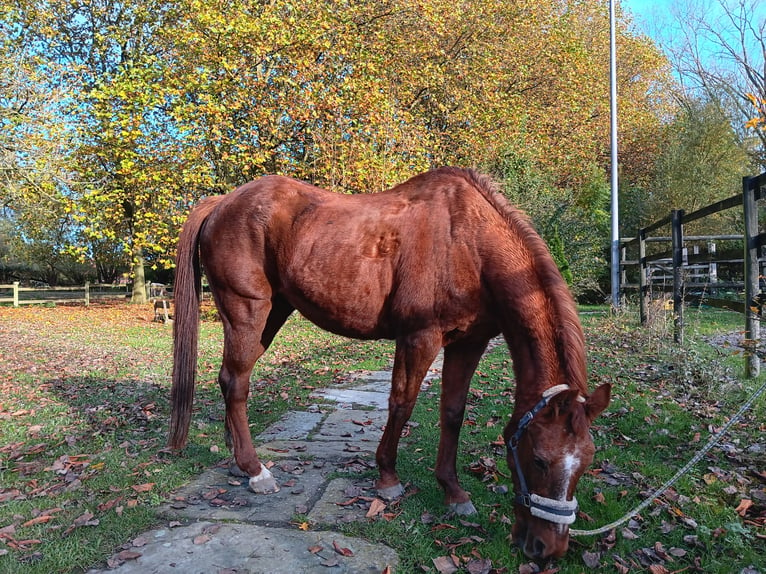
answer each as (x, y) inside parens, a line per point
(463, 508)
(263, 483)
(391, 492)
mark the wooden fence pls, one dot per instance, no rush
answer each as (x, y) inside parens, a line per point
(18, 295)
(695, 275)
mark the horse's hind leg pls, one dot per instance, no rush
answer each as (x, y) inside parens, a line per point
(460, 361)
(249, 327)
(414, 355)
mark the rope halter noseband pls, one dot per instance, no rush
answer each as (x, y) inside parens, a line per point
(557, 511)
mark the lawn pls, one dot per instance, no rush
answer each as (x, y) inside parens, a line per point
(83, 419)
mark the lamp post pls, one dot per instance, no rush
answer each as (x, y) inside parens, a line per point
(614, 185)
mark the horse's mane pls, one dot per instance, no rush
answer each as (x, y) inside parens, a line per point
(570, 340)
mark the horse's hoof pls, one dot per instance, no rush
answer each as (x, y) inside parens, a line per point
(463, 508)
(391, 492)
(263, 483)
(234, 470)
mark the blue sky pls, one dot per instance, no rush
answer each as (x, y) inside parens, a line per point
(647, 8)
(648, 14)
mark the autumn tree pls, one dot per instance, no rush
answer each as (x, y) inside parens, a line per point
(179, 99)
(125, 190)
(719, 54)
(703, 160)
(34, 174)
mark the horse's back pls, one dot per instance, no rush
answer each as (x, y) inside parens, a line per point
(367, 265)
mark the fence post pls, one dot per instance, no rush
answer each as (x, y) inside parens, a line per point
(87, 293)
(712, 268)
(677, 235)
(15, 293)
(643, 292)
(752, 324)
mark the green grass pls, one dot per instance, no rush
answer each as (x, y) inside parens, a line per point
(92, 385)
(83, 422)
(663, 397)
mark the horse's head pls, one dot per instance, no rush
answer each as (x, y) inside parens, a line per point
(549, 448)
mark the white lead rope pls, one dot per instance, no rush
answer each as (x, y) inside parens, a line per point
(714, 440)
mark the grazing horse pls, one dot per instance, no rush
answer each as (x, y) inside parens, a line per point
(440, 261)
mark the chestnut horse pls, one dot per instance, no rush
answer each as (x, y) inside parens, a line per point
(441, 260)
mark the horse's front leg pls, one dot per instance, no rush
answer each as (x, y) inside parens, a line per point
(460, 361)
(414, 355)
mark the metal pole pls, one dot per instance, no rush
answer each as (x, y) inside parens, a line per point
(677, 233)
(615, 201)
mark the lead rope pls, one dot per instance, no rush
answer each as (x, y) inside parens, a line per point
(714, 440)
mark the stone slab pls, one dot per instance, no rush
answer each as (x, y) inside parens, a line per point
(209, 547)
(293, 425)
(353, 426)
(377, 400)
(215, 495)
(334, 508)
(330, 450)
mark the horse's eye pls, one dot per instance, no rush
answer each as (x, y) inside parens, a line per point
(541, 463)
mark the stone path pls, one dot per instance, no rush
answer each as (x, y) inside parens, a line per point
(215, 525)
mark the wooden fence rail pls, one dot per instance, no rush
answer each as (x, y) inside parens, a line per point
(678, 264)
(17, 295)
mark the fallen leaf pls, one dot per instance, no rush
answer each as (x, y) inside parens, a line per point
(128, 555)
(744, 506)
(38, 520)
(479, 566)
(340, 550)
(591, 559)
(315, 549)
(658, 569)
(143, 487)
(376, 507)
(201, 539)
(445, 565)
(599, 497)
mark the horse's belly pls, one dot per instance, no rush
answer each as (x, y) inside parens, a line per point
(353, 301)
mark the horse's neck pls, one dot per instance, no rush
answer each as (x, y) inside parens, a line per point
(533, 336)
(536, 365)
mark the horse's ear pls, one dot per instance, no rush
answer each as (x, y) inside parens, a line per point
(598, 401)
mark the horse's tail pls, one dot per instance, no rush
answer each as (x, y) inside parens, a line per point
(186, 294)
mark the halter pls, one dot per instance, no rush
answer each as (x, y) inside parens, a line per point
(557, 511)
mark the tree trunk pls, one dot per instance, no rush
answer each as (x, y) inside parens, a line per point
(139, 280)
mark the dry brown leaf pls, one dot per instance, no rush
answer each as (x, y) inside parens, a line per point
(315, 549)
(445, 565)
(599, 497)
(376, 507)
(479, 566)
(126, 555)
(744, 506)
(201, 539)
(340, 550)
(143, 487)
(591, 559)
(38, 520)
